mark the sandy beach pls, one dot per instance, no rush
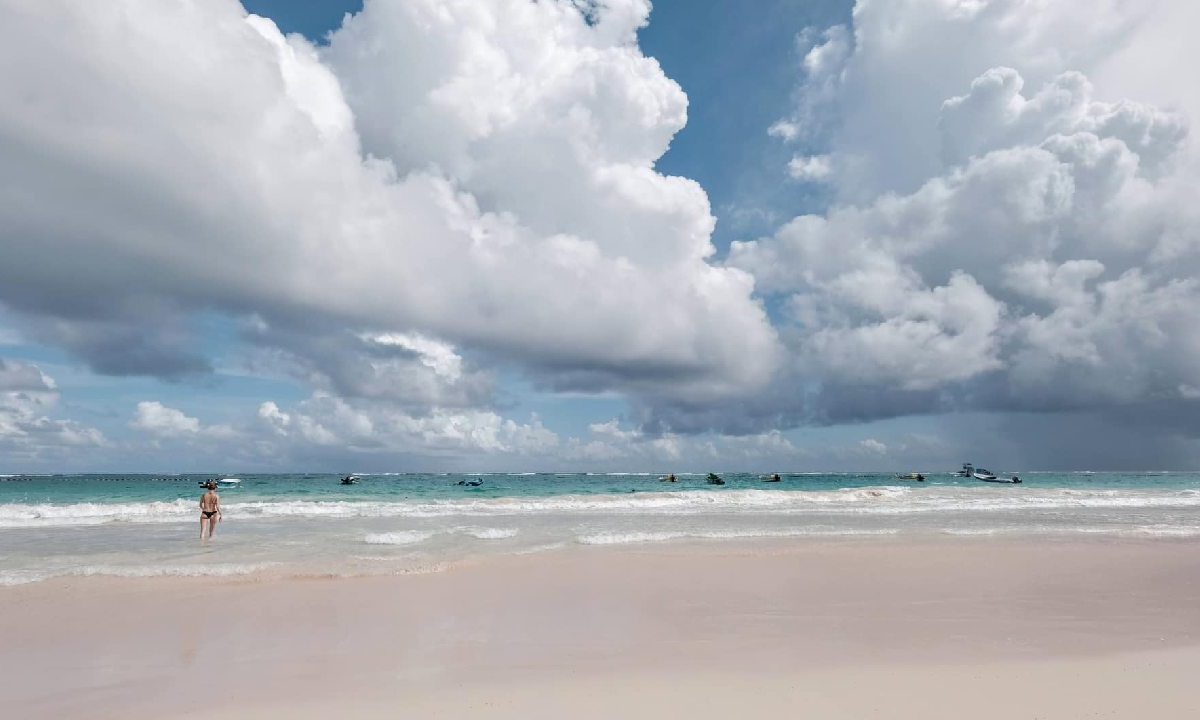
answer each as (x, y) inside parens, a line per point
(935, 628)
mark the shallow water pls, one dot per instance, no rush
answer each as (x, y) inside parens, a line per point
(141, 525)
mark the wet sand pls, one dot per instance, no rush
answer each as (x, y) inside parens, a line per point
(875, 628)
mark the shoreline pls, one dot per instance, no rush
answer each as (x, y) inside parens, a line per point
(650, 619)
(266, 571)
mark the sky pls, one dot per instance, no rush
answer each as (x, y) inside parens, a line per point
(465, 235)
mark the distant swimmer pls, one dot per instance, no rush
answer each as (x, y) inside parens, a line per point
(774, 478)
(210, 510)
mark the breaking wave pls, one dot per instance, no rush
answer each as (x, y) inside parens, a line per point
(869, 500)
(410, 537)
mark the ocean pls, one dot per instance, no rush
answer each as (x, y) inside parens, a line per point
(311, 525)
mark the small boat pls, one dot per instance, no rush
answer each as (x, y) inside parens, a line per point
(968, 470)
(1014, 480)
(227, 482)
(911, 476)
(470, 483)
(773, 478)
(983, 474)
(714, 479)
(668, 478)
(349, 480)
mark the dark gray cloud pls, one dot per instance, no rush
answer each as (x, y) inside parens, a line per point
(1127, 440)
(145, 345)
(407, 370)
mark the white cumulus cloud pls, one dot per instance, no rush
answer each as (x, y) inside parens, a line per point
(810, 168)
(161, 421)
(477, 173)
(1007, 232)
(382, 429)
(28, 398)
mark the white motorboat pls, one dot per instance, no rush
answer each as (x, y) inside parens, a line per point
(227, 482)
(1014, 480)
(970, 471)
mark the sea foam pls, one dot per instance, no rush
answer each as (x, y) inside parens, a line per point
(22, 577)
(885, 500)
(487, 533)
(410, 537)
(625, 538)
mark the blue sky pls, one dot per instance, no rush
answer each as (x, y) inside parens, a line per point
(453, 235)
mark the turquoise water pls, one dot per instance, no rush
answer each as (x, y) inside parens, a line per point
(66, 489)
(70, 525)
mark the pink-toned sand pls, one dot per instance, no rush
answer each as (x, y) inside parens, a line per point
(887, 629)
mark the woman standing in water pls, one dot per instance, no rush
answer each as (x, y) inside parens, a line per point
(210, 510)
